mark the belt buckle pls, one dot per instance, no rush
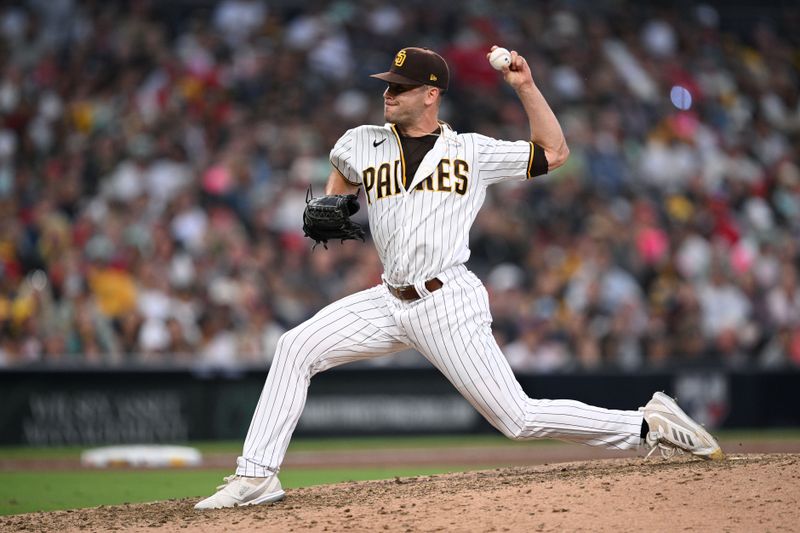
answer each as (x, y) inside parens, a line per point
(397, 292)
(394, 291)
(401, 292)
(409, 293)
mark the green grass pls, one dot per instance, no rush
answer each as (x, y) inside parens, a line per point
(297, 445)
(24, 492)
(372, 443)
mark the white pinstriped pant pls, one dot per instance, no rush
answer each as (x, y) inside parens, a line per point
(451, 327)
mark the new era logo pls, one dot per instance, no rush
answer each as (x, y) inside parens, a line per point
(433, 77)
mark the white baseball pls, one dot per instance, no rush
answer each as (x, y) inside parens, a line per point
(499, 58)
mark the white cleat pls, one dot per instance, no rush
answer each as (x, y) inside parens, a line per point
(672, 430)
(238, 491)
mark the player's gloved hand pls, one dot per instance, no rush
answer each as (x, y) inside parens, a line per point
(328, 217)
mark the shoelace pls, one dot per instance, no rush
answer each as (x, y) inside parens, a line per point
(667, 450)
(227, 480)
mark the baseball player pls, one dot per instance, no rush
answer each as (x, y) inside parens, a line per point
(424, 184)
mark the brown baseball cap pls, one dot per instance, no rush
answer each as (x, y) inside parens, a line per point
(417, 66)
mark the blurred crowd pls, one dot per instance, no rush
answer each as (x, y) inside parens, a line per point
(155, 157)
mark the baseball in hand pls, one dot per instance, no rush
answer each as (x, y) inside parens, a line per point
(499, 58)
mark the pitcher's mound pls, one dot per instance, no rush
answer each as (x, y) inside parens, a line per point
(745, 493)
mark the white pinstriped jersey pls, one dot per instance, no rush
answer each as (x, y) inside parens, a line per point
(424, 230)
(420, 233)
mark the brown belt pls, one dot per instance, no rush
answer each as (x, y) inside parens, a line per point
(410, 293)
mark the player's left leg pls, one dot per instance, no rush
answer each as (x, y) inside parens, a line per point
(354, 328)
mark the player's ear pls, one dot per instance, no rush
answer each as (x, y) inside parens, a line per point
(432, 94)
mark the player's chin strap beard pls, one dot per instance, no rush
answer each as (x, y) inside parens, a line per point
(436, 133)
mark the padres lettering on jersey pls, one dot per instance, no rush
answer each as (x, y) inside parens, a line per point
(420, 232)
(423, 230)
(386, 181)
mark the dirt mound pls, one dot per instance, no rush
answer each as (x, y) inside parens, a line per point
(746, 493)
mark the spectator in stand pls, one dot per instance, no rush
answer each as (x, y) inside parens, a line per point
(725, 314)
(154, 161)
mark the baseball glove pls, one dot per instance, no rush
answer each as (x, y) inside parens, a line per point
(328, 217)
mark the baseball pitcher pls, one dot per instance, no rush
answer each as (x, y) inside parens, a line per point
(423, 185)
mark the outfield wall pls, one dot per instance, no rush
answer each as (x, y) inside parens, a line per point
(46, 407)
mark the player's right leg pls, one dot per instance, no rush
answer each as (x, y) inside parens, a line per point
(452, 329)
(357, 327)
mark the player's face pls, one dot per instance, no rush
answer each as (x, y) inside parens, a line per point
(402, 104)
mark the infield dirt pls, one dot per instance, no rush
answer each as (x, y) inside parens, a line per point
(748, 492)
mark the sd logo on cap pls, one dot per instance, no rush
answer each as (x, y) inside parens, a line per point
(417, 66)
